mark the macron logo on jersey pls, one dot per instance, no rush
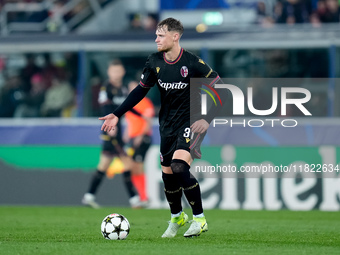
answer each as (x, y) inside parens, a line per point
(173, 85)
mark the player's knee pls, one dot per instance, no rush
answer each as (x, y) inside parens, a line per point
(179, 166)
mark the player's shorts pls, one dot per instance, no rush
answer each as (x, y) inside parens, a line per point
(139, 153)
(184, 140)
(112, 146)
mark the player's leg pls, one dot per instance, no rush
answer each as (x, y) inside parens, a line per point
(134, 198)
(188, 148)
(118, 149)
(96, 179)
(138, 175)
(173, 194)
(172, 189)
(180, 165)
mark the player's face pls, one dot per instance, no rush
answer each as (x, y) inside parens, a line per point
(115, 73)
(165, 39)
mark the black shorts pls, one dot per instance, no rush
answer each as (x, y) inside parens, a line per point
(183, 140)
(140, 152)
(113, 146)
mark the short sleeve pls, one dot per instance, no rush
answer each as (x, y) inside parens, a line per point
(148, 77)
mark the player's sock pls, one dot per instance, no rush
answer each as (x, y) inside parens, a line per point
(96, 180)
(173, 192)
(128, 183)
(190, 185)
(139, 183)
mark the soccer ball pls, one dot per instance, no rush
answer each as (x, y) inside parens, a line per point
(115, 227)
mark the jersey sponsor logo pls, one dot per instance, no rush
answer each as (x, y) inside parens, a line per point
(184, 71)
(187, 140)
(157, 69)
(173, 85)
(201, 61)
(142, 76)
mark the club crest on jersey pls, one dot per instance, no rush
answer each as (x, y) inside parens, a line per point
(157, 69)
(184, 71)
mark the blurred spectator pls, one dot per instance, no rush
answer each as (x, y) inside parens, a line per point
(150, 22)
(58, 97)
(49, 71)
(261, 9)
(332, 13)
(303, 11)
(315, 20)
(136, 22)
(56, 19)
(262, 17)
(11, 95)
(28, 71)
(321, 10)
(70, 67)
(32, 101)
(295, 11)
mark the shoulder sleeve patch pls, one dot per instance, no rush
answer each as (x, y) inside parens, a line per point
(209, 73)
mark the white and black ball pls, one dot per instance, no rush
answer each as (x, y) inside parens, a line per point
(115, 227)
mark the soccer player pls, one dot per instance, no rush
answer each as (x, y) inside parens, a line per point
(171, 69)
(111, 95)
(138, 133)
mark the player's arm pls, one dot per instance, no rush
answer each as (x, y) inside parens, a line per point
(205, 71)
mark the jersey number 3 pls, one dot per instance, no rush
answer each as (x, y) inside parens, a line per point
(186, 132)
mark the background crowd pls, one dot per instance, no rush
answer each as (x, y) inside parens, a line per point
(299, 11)
(43, 85)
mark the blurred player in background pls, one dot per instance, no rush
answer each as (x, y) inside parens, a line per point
(112, 94)
(138, 134)
(171, 69)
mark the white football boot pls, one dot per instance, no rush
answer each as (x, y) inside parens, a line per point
(174, 224)
(89, 199)
(198, 225)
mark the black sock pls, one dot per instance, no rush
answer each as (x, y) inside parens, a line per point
(96, 180)
(173, 192)
(128, 184)
(190, 185)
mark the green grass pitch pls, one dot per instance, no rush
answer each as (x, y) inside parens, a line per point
(76, 230)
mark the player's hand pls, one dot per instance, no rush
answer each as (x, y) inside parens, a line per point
(199, 126)
(110, 122)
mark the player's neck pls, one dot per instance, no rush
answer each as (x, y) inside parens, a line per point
(172, 54)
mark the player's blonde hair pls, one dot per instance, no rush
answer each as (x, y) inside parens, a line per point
(172, 25)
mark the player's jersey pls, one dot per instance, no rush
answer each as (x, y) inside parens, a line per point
(136, 125)
(111, 97)
(173, 81)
